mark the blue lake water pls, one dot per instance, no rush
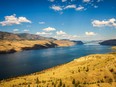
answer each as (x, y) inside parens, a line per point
(26, 62)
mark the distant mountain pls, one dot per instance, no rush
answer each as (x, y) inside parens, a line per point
(92, 42)
(28, 36)
(111, 42)
(78, 42)
(8, 36)
(21, 36)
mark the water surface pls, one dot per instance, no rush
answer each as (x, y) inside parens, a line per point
(26, 62)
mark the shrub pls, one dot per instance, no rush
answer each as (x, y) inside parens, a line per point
(63, 85)
(28, 85)
(37, 81)
(73, 82)
(75, 85)
(111, 70)
(60, 82)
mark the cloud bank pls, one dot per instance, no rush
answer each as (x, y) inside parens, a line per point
(90, 33)
(110, 23)
(49, 29)
(11, 20)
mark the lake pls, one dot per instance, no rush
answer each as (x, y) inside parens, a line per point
(26, 62)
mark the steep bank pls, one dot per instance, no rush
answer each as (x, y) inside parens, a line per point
(98, 70)
(10, 46)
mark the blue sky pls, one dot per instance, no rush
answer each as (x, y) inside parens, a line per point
(61, 19)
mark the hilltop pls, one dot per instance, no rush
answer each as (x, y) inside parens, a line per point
(96, 70)
(22, 36)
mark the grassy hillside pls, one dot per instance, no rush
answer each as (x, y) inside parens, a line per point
(63, 43)
(7, 46)
(98, 70)
(114, 47)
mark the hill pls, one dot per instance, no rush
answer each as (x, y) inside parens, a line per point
(20, 36)
(27, 36)
(9, 36)
(111, 42)
(10, 42)
(78, 42)
(97, 70)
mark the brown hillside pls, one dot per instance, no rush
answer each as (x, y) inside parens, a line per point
(98, 70)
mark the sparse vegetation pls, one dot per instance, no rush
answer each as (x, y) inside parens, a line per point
(96, 70)
(20, 45)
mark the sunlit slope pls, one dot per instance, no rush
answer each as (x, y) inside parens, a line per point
(97, 70)
(114, 47)
(7, 46)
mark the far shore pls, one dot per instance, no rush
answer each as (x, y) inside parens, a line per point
(11, 46)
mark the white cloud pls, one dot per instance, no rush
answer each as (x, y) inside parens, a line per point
(56, 8)
(16, 30)
(86, 1)
(26, 31)
(111, 23)
(23, 19)
(43, 33)
(61, 32)
(10, 20)
(90, 33)
(51, 0)
(64, 0)
(41, 22)
(79, 8)
(70, 6)
(49, 29)
(66, 36)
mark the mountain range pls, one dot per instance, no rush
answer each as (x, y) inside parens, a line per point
(21, 36)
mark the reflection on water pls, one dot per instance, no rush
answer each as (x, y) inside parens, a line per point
(26, 62)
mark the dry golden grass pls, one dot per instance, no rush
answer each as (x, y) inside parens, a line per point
(114, 47)
(63, 43)
(98, 70)
(6, 46)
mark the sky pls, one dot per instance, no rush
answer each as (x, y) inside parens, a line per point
(61, 19)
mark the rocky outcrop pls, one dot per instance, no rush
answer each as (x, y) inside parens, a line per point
(111, 42)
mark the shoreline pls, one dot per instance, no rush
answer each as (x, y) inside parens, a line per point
(16, 46)
(83, 67)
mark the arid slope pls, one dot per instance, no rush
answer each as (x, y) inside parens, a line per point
(9, 46)
(114, 47)
(97, 70)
